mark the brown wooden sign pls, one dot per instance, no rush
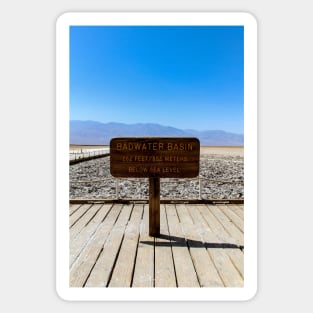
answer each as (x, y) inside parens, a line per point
(173, 157)
(154, 157)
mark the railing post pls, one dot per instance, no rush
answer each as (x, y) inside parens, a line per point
(117, 188)
(200, 188)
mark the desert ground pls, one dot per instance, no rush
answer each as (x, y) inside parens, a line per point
(221, 175)
(231, 151)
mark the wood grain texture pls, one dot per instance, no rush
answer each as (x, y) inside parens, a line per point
(124, 266)
(184, 267)
(83, 265)
(165, 275)
(104, 266)
(144, 266)
(90, 226)
(205, 269)
(199, 246)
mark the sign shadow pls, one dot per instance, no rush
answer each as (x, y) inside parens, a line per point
(174, 241)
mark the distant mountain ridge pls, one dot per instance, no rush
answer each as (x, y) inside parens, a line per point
(97, 133)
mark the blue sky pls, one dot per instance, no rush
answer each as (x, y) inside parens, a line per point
(189, 77)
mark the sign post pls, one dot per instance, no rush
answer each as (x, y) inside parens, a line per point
(154, 206)
(155, 158)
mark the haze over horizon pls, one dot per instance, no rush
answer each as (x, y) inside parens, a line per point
(188, 77)
(153, 123)
(92, 132)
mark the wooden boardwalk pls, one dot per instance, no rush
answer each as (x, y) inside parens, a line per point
(201, 245)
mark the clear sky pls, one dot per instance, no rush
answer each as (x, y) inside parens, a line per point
(189, 77)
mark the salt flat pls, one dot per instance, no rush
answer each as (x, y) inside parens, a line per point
(221, 175)
(235, 151)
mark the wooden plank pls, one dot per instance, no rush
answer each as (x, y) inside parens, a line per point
(228, 225)
(144, 265)
(101, 273)
(238, 209)
(228, 272)
(164, 264)
(221, 247)
(88, 257)
(215, 225)
(78, 213)
(123, 270)
(74, 207)
(233, 217)
(83, 221)
(205, 268)
(79, 242)
(185, 271)
(237, 258)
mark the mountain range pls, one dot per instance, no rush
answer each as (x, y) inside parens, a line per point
(97, 133)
